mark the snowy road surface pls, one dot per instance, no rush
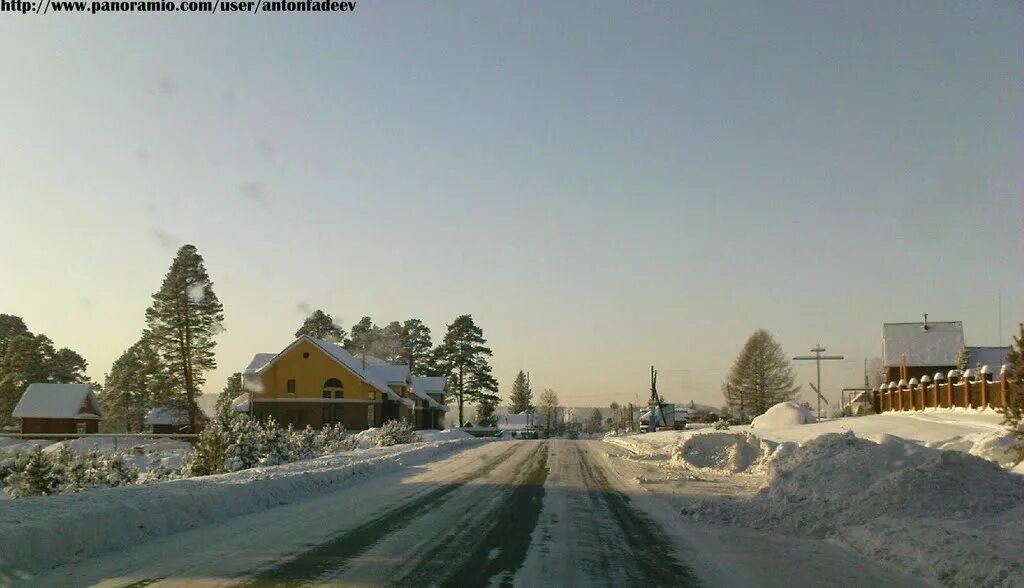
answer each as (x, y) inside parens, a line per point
(527, 513)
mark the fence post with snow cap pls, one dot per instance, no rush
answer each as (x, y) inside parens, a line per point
(968, 380)
(985, 372)
(925, 396)
(939, 378)
(952, 375)
(900, 386)
(912, 387)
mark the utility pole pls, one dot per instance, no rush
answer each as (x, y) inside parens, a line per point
(817, 358)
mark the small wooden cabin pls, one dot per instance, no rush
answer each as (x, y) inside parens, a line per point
(58, 408)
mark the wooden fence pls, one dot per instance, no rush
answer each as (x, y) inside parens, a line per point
(944, 391)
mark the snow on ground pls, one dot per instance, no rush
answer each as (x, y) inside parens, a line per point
(928, 490)
(41, 532)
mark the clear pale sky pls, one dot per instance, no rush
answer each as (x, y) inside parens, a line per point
(602, 185)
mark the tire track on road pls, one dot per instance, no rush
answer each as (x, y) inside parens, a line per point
(505, 542)
(651, 549)
(335, 554)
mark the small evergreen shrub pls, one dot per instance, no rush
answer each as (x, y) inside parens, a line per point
(395, 433)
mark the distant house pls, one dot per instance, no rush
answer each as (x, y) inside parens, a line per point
(163, 420)
(58, 408)
(993, 357)
(319, 383)
(923, 347)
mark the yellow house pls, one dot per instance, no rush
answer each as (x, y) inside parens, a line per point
(318, 383)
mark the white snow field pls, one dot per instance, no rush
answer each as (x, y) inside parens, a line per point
(929, 491)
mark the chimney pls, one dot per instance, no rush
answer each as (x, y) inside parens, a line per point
(924, 327)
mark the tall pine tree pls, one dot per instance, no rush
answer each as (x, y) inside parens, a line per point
(463, 358)
(521, 396)
(182, 322)
(416, 347)
(320, 325)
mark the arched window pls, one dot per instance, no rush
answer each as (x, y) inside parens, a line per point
(334, 386)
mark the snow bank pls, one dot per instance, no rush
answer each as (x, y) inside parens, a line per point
(783, 414)
(722, 452)
(919, 507)
(446, 435)
(43, 532)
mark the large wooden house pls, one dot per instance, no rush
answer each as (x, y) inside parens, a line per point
(913, 350)
(58, 408)
(319, 383)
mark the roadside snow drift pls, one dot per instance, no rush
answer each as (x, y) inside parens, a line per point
(43, 532)
(723, 452)
(783, 414)
(916, 506)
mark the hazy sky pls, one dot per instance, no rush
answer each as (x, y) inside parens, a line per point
(602, 185)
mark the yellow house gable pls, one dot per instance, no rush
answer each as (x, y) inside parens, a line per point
(306, 371)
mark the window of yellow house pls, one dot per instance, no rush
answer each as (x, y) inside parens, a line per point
(291, 386)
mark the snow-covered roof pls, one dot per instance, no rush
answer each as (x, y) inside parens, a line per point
(993, 357)
(163, 415)
(258, 361)
(423, 386)
(390, 373)
(938, 345)
(58, 401)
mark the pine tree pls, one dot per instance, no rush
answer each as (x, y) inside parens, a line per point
(10, 327)
(761, 376)
(1013, 412)
(363, 337)
(521, 395)
(416, 346)
(485, 416)
(616, 418)
(182, 322)
(321, 326)
(594, 422)
(132, 388)
(225, 408)
(389, 343)
(963, 359)
(462, 358)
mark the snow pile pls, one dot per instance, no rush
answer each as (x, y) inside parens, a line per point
(722, 452)
(919, 507)
(783, 414)
(367, 438)
(42, 532)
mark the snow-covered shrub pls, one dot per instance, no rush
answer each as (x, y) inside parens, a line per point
(305, 444)
(42, 474)
(30, 476)
(210, 453)
(334, 439)
(247, 443)
(721, 424)
(395, 433)
(159, 470)
(275, 443)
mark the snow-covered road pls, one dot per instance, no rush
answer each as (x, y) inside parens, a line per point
(523, 513)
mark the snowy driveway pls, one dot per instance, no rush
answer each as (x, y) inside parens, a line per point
(526, 513)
